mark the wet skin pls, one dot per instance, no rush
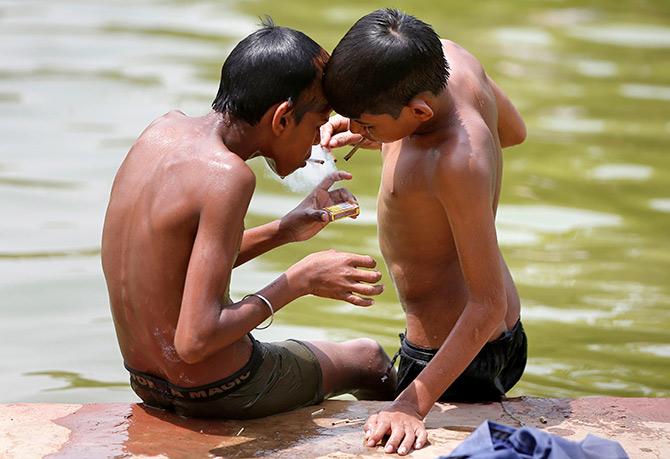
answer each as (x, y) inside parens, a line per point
(174, 230)
(416, 227)
(439, 192)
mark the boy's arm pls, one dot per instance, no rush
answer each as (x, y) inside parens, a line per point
(302, 223)
(260, 239)
(511, 128)
(223, 202)
(206, 324)
(463, 185)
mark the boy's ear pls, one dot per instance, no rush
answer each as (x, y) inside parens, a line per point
(282, 116)
(420, 109)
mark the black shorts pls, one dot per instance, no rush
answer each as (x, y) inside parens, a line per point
(278, 377)
(494, 371)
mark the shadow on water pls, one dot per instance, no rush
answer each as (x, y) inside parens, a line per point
(38, 183)
(75, 381)
(90, 252)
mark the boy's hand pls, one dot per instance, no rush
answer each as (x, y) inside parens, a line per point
(337, 275)
(307, 219)
(404, 425)
(335, 133)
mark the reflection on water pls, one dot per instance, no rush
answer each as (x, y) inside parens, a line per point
(662, 205)
(631, 35)
(622, 172)
(583, 220)
(645, 91)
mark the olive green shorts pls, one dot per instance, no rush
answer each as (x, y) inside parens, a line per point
(278, 377)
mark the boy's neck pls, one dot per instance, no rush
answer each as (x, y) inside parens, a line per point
(241, 138)
(443, 112)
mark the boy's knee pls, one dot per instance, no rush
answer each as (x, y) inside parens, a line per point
(373, 375)
(371, 351)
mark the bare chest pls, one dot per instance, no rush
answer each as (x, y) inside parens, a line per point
(406, 175)
(408, 209)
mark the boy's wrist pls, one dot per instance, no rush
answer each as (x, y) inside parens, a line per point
(284, 233)
(298, 280)
(411, 403)
(280, 234)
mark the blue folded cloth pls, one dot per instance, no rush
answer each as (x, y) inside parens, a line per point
(498, 441)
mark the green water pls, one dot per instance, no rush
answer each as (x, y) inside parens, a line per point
(585, 213)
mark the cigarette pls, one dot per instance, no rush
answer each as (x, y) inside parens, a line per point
(238, 433)
(314, 160)
(318, 411)
(353, 150)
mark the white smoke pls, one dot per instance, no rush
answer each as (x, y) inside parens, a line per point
(307, 178)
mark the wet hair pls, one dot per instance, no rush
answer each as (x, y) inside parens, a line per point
(383, 61)
(272, 65)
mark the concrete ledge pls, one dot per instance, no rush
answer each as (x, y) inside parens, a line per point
(27, 430)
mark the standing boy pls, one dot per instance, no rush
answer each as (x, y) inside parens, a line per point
(174, 231)
(441, 149)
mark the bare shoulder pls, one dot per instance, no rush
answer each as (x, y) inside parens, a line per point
(162, 126)
(462, 57)
(180, 152)
(225, 170)
(462, 162)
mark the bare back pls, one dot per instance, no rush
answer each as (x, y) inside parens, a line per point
(414, 231)
(150, 227)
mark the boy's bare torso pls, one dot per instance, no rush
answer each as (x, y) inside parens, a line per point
(150, 227)
(414, 231)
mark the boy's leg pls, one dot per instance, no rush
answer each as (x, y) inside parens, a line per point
(360, 367)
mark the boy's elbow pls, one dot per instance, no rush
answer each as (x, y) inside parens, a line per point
(495, 308)
(520, 133)
(190, 349)
(514, 136)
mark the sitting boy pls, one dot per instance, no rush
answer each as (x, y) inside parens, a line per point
(174, 231)
(442, 166)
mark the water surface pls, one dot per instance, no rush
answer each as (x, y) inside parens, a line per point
(583, 224)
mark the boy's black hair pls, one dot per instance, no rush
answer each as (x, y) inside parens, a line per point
(272, 65)
(383, 61)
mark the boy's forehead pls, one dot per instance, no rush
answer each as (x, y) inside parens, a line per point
(322, 105)
(316, 98)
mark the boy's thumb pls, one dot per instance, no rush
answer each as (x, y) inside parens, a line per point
(319, 215)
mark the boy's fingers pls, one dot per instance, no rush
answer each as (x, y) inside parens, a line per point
(378, 432)
(325, 132)
(362, 261)
(319, 215)
(370, 424)
(340, 123)
(367, 289)
(421, 439)
(397, 434)
(363, 275)
(358, 301)
(342, 195)
(335, 124)
(334, 177)
(344, 138)
(408, 442)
